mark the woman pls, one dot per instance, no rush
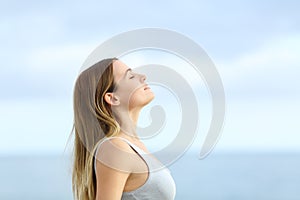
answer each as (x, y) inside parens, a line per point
(110, 162)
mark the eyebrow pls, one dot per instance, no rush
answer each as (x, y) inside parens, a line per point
(129, 69)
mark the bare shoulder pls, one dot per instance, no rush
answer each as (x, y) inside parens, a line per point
(115, 146)
(117, 154)
(115, 162)
(120, 143)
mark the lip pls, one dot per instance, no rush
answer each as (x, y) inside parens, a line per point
(146, 87)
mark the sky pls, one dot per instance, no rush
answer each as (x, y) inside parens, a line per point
(254, 45)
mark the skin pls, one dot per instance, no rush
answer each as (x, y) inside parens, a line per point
(131, 95)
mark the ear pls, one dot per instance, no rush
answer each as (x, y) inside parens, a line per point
(111, 99)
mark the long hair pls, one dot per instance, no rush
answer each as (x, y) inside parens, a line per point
(93, 121)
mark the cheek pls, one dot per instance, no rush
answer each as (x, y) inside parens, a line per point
(130, 87)
(136, 96)
(140, 98)
(125, 91)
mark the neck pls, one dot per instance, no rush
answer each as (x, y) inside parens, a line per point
(128, 122)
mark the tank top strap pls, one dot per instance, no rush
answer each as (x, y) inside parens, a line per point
(135, 147)
(138, 149)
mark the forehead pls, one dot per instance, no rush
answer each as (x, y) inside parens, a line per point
(119, 68)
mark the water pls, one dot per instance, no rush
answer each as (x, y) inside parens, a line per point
(217, 177)
(242, 177)
(35, 177)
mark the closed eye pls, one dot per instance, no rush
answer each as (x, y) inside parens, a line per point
(131, 75)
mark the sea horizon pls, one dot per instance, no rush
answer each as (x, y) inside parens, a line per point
(259, 176)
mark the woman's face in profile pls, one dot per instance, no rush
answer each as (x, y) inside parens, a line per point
(132, 90)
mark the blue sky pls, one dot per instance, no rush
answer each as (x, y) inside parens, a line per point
(255, 46)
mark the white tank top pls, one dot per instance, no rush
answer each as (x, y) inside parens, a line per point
(160, 183)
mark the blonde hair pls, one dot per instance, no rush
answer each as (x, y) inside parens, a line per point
(93, 121)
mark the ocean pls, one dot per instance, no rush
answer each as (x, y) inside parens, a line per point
(226, 176)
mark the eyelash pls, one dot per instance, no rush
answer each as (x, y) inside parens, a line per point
(131, 77)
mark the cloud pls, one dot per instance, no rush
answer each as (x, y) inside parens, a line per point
(56, 58)
(46, 72)
(272, 68)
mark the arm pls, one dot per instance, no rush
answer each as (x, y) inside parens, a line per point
(113, 169)
(110, 183)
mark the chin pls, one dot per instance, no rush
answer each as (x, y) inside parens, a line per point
(143, 102)
(151, 97)
(147, 101)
